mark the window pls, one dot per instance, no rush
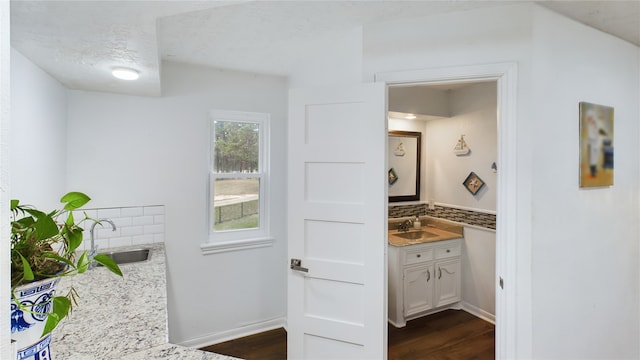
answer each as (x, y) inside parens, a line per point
(238, 177)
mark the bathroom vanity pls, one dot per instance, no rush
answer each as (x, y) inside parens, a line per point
(424, 270)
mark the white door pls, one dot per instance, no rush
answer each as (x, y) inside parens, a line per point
(337, 222)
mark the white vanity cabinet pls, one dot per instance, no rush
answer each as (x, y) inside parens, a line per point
(423, 279)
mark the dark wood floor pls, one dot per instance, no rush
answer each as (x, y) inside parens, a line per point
(269, 345)
(451, 334)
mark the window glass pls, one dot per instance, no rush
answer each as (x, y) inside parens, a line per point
(239, 163)
(236, 204)
(237, 147)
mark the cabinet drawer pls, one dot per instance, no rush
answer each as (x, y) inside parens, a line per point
(418, 255)
(449, 250)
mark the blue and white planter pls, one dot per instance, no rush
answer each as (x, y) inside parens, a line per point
(27, 326)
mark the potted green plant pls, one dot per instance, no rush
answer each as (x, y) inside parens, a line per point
(44, 248)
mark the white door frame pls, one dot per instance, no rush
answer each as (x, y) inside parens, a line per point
(512, 262)
(6, 351)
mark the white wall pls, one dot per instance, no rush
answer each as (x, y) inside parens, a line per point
(585, 241)
(38, 134)
(335, 60)
(419, 100)
(132, 151)
(478, 272)
(473, 114)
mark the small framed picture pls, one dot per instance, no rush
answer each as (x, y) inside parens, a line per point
(393, 177)
(473, 183)
(596, 145)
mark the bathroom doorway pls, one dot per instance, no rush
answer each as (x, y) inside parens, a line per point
(506, 199)
(458, 127)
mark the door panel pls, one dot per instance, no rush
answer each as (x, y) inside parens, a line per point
(337, 223)
(321, 237)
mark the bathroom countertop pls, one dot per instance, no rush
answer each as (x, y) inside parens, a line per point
(120, 318)
(440, 230)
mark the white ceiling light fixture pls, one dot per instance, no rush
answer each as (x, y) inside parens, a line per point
(410, 117)
(124, 73)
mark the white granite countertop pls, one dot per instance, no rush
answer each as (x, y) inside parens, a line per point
(121, 318)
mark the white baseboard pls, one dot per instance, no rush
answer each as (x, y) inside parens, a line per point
(227, 335)
(396, 325)
(477, 312)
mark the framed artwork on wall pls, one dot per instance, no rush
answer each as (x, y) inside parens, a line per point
(393, 177)
(473, 183)
(596, 145)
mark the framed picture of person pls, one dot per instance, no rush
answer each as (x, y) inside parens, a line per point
(596, 145)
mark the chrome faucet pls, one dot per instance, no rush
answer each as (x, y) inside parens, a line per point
(94, 247)
(405, 225)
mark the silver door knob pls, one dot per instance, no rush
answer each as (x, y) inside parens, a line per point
(296, 264)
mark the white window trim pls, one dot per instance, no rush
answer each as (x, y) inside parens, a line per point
(232, 240)
(234, 245)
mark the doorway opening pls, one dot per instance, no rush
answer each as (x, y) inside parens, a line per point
(512, 263)
(457, 190)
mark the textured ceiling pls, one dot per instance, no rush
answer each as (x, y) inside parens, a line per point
(79, 42)
(616, 17)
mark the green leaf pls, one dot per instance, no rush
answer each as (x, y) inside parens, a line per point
(60, 310)
(74, 200)
(27, 273)
(23, 223)
(83, 263)
(70, 221)
(52, 322)
(14, 204)
(108, 263)
(35, 213)
(74, 238)
(44, 225)
(45, 228)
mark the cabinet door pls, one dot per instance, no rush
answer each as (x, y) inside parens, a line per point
(418, 289)
(447, 282)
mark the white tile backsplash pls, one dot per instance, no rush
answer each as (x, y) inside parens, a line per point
(158, 238)
(92, 213)
(132, 211)
(142, 220)
(154, 210)
(136, 225)
(105, 233)
(132, 230)
(122, 221)
(154, 229)
(142, 239)
(108, 213)
(119, 241)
